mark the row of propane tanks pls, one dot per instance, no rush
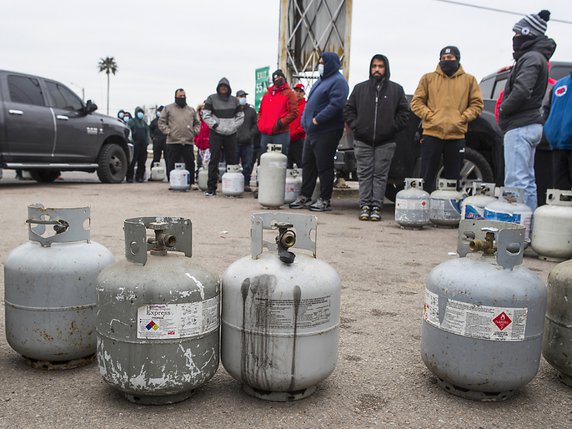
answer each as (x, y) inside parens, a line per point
(550, 234)
(277, 185)
(157, 314)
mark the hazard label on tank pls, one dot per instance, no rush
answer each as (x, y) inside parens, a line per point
(502, 321)
(164, 321)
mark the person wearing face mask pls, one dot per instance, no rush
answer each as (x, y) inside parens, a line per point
(121, 116)
(246, 133)
(376, 110)
(141, 138)
(445, 100)
(224, 115)
(520, 116)
(159, 139)
(323, 121)
(297, 133)
(278, 108)
(180, 123)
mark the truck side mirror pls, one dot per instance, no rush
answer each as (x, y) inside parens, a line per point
(90, 107)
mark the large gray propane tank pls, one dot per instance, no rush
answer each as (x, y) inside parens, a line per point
(272, 177)
(158, 315)
(557, 346)
(412, 205)
(49, 287)
(281, 312)
(445, 204)
(473, 207)
(552, 232)
(484, 318)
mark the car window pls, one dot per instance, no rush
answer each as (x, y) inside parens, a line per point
(62, 97)
(499, 87)
(487, 87)
(25, 90)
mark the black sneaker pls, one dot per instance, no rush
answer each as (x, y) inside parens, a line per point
(375, 215)
(321, 206)
(301, 202)
(247, 188)
(365, 213)
(210, 194)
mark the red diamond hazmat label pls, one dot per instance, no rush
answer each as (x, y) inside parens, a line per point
(502, 321)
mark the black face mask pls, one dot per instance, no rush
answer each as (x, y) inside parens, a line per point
(279, 82)
(449, 67)
(517, 42)
(181, 101)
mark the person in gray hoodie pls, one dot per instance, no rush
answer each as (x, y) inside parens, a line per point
(224, 115)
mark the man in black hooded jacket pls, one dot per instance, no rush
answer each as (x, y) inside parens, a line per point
(376, 110)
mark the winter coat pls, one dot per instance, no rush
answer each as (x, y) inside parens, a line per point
(327, 99)
(375, 110)
(296, 130)
(446, 104)
(558, 127)
(278, 108)
(180, 124)
(526, 85)
(139, 128)
(202, 138)
(248, 129)
(223, 115)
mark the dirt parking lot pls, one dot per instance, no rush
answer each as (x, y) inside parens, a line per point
(380, 380)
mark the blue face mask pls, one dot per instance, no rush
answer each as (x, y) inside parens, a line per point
(321, 69)
(140, 115)
(242, 101)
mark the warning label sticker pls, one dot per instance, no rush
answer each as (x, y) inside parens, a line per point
(476, 321)
(406, 204)
(284, 314)
(164, 321)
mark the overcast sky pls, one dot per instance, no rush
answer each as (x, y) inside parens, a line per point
(162, 45)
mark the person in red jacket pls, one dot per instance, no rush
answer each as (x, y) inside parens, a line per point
(297, 133)
(278, 108)
(202, 142)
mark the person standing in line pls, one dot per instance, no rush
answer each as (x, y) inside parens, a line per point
(278, 108)
(159, 139)
(376, 110)
(520, 116)
(445, 100)
(323, 121)
(246, 134)
(223, 114)
(297, 133)
(141, 139)
(202, 142)
(558, 132)
(181, 124)
(121, 116)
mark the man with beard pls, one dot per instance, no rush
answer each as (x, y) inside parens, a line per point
(520, 115)
(376, 110)
(445, 100)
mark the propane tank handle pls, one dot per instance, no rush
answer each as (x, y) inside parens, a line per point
(301, 239)
(69, 224)
(174, 234)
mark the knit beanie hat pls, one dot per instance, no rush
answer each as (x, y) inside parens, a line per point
(278, 73)
(451, 50)
(533, 25)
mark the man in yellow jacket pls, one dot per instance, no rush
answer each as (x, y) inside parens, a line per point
(446, 101)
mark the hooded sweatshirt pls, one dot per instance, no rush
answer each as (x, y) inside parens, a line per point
(526, 85)
(327, 99)
(139, 128)
(223, 114)
(376, 110)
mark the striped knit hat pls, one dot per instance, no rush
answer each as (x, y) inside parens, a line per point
(533, 25)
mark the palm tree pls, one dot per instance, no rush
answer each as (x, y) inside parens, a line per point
(107, 65)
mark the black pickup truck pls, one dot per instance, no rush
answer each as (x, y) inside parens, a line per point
(46, 128)
(484, 158)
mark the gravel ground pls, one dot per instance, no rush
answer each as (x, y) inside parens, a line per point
(379, 381)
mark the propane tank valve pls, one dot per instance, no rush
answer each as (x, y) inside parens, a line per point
(487, 246)
(162, 238)
(286, 238)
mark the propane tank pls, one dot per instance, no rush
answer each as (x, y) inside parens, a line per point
(233, 181)
(49, 287)
(158, 315)
(445, 204)
(412, 205)
(510, 207)
(272, 177)
(157, 172)
(281, 312)
(221, 170)
(483, 317)
(203, 177)
(552, 232)
(473, 207)
(293, 185)
(557, 346)
(179, 178)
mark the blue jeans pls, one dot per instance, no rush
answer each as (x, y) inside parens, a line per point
(519, 149)
(244, 156)
(283, 139)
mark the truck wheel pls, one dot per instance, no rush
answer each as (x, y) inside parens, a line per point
(45, 176)
(112, 164)
(475, 168)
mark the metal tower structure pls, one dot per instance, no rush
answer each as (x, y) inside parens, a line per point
(308, 28)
